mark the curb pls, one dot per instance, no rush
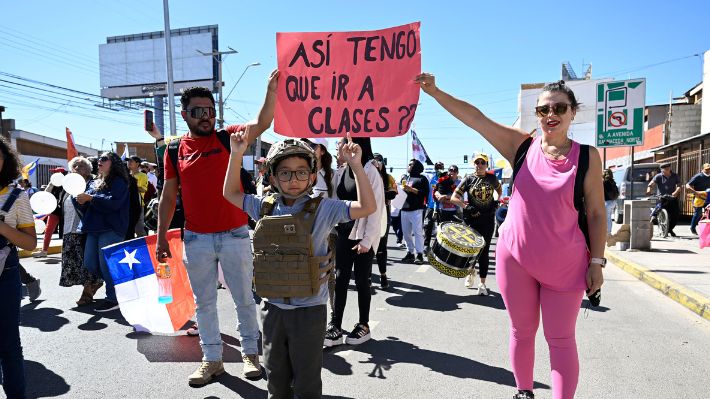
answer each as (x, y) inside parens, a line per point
(687, 297)
(53, 249)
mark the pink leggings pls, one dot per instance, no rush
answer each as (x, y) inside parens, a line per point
(524, 298)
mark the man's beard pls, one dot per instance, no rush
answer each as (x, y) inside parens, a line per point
(200, 132)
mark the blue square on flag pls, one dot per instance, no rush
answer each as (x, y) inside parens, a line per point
(129, 260)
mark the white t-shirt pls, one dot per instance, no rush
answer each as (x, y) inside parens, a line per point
(20, 214)
(152, 179)
(321, 188)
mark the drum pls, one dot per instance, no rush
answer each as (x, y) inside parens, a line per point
(455, 249)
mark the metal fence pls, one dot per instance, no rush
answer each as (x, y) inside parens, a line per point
(690, 164)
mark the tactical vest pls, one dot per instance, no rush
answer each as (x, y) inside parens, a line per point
(284, 264)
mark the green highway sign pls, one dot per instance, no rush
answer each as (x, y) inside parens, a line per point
(620, 113)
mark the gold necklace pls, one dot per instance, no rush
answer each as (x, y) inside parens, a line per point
(560, 150)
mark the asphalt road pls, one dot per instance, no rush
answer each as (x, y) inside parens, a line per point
(432, 338)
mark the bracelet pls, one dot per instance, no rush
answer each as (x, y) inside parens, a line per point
(599, 261)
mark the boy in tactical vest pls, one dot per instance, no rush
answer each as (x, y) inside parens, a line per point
(291, 257)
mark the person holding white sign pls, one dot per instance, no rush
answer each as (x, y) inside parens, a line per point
(544, 259)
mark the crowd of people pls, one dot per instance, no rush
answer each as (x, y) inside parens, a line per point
(335, 212)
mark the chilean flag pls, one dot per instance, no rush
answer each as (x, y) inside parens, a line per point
(132, 265)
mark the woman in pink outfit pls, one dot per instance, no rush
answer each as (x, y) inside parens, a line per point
(543, 262)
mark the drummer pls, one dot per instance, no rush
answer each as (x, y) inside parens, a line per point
(479, 213)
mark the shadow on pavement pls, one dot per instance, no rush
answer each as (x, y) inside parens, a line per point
(43, 319)
(386, 353)
(672, 251)
(678, 271)
(92, 323)
(431, 299)
(42, 382)
(180, 348)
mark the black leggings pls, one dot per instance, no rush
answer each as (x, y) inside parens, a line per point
(345, 259)
(382, 252)
(25, 277)
(484, 225)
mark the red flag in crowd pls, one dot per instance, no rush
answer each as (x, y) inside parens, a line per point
(71, 148)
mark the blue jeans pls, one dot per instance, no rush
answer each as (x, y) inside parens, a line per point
(95, 262)
(232, 250)
(697, 215)
(11, 360)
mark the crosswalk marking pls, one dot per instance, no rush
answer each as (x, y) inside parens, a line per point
(423, 268)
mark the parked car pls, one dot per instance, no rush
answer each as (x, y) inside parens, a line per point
(642, 175)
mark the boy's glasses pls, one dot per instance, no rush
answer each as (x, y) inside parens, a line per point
(286, 175)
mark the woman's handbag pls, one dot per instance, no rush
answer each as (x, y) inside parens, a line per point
(704, 230)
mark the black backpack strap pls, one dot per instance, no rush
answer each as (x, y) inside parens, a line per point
(11, 199)
(223, 137)
(520, 159)
(173, 151)
(582, 167)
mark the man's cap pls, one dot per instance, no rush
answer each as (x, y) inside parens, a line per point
(480, 156)
(665, 165)
(135, 158)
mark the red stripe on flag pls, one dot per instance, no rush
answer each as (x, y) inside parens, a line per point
(183, 306)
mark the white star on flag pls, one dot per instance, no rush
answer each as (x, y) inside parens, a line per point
(130, 258)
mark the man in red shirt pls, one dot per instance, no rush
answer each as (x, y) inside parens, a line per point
(215, 230)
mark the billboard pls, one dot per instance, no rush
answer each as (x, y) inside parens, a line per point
(583, 127)
(134, 66)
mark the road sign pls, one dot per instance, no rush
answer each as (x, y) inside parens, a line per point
(620, 113)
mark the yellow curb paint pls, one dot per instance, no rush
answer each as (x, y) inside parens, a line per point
(55, 249)
(692, 300)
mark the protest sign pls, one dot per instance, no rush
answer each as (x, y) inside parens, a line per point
(334, 83)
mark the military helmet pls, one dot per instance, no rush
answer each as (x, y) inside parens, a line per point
(288, 148)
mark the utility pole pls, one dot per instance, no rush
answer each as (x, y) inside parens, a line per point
(2, 124)
(218, 57)
(169, 59)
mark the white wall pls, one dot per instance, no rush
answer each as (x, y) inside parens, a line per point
(584, 125)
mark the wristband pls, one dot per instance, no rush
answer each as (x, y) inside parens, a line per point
(599, 261)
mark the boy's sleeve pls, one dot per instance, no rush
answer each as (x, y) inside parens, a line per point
(334, 211)
(252, 206)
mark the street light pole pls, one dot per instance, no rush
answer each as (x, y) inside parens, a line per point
(2, 124)
(169, 59)
(253, 64)
(218, 57)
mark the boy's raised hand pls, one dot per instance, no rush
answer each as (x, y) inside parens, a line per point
(239, 142)
(352, 153)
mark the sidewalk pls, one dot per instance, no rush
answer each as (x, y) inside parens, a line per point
(675, 266)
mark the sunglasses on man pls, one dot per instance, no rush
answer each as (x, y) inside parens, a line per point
(199, 112)
(480, 162)
(558, 109)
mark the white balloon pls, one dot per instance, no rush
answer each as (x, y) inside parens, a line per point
(40, 226)
(56, 179)
(74, 184)
(43, 202)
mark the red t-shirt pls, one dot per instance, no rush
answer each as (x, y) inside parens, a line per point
(203, 164)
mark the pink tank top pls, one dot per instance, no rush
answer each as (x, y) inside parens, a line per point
(540, 229)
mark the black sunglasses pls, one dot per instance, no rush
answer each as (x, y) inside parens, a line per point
(454, 170)
(480, 162)
(199, 112)
(104, 158)
(558, 109)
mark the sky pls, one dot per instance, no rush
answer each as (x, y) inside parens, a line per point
(480, 51)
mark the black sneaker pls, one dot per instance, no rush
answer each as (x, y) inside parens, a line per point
(107, 306)
(408, 258)
(358, 335)
(384, 284)
(419, 260)
(524, 395)
(333, 336)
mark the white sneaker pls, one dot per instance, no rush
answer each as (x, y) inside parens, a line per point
(468, 282)
(40, 254)
(482, 290)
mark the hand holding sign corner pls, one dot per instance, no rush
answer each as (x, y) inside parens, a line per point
(334, 83)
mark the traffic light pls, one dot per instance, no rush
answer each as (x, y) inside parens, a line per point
(465, 159)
